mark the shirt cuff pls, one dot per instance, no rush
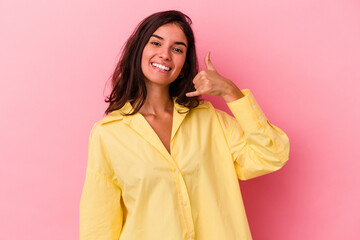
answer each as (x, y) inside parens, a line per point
(248, 112)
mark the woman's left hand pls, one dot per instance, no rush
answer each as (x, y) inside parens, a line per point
(212, 83)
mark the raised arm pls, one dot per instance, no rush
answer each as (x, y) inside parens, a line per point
(257, 146)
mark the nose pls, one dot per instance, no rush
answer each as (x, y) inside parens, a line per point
(165, 54)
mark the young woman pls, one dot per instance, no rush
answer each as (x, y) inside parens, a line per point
(164, 164)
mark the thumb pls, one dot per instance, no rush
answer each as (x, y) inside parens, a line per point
(208, 62)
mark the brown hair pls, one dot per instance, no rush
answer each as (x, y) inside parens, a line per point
(128, 79)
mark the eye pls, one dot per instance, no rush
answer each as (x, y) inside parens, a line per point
(155, 43)
(178, 50)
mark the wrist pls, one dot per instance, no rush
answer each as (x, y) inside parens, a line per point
(233, 93)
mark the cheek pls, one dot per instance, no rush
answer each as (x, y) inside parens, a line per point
(145, 54)
(144, 58)
(143, 64)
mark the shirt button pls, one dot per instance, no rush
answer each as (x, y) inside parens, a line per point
(254, 106)
(177, 170)
(191, 234)
(260, 117)
(184, 203)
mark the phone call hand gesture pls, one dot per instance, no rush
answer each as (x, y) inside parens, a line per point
(210, 82)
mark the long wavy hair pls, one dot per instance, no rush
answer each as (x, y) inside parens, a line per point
(128, 79)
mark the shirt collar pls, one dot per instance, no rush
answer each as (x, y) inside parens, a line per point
(116, 115)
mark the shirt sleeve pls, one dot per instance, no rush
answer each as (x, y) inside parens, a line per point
(101, 215)
(257, 146)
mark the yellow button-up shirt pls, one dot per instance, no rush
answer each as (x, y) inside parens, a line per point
(135, 190)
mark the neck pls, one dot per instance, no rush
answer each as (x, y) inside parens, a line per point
(157, 101)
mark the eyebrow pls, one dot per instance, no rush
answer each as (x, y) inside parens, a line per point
(161, 38)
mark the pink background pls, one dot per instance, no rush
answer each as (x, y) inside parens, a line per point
(301, 60)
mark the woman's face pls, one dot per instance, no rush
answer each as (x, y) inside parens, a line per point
(164, 54)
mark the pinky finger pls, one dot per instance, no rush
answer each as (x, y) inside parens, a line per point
(193, 94)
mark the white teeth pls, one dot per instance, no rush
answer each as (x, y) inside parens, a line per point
(162, 67)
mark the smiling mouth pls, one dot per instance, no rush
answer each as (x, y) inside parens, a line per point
(161, 67)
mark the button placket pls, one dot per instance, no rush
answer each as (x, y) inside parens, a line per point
(184, 201)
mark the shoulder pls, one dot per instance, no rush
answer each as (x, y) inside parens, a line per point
(207, 105)
(209, 110)
(204, 104)
(102, 127)
(96, 130)
(116, 115)
(223, 117)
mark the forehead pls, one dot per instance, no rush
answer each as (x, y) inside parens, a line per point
(171, 32)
